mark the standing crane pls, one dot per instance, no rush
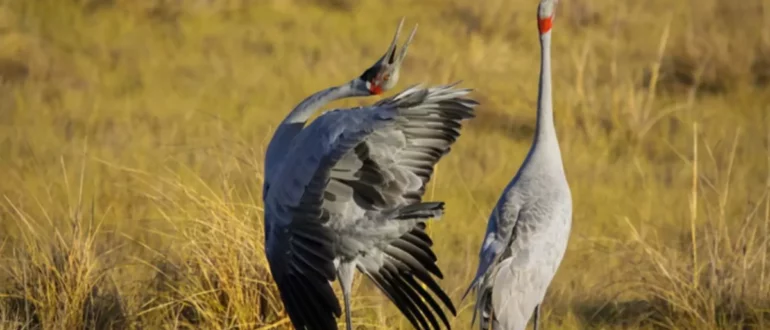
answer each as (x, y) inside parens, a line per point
(528, 230)
(346, 191)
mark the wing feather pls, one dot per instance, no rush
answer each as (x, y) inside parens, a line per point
(375, 161)
(300, 245)
(396, 162)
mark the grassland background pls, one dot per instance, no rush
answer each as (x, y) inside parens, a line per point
(132, 134)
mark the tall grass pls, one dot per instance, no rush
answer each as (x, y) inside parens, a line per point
(132, 135)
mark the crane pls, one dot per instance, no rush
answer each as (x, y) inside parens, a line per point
(528, 229)
(345, 193)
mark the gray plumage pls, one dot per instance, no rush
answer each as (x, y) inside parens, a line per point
(528, 230)
(345, 193)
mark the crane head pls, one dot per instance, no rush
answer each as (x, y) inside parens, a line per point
(545, 15)
(383, 75)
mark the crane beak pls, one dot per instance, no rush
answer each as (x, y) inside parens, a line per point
(383, 75)
(390, 55)
(392, 61)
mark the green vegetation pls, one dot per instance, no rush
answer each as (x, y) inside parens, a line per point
(132, 134)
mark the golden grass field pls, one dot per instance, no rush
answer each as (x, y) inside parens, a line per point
(132, 134)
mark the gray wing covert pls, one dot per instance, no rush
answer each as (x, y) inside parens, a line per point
(376, 160)
(392, 166)
(388, 172)
(501, 228)
(300, 248)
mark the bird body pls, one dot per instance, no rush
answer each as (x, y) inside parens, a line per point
(528, 229)
(536, 245)
(345, 193)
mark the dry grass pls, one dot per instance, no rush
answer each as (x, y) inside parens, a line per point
(132, 134)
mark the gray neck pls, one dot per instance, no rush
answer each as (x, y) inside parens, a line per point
(545, 152)
(545, 130)
(305, 109)
(295, 121)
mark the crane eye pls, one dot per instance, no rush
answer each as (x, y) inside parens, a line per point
(386, 76)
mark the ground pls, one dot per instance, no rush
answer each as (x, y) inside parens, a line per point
(132, 134)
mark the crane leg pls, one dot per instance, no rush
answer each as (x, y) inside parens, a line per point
(345, 272)
(537, 316)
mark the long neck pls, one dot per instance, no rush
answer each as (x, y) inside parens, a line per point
(295, 122)
(545, 131)
(305, 109)
(545, 151)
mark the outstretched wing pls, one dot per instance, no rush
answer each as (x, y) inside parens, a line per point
(385, 176)
(371, 164)
(300, 248)
(391, 167)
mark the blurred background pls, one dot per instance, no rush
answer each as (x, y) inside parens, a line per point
(132, 134)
